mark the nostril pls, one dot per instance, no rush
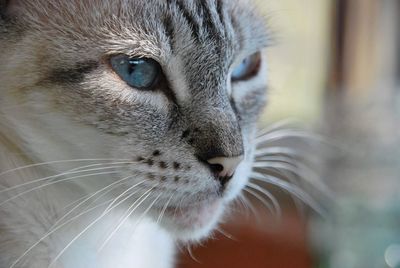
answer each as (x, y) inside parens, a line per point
(216, 168)
(224, 167)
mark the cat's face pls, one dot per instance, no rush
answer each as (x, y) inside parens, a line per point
(200, 100)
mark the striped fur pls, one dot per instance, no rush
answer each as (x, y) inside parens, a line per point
(60, 100)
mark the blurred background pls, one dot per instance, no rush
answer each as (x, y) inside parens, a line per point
(335, 67)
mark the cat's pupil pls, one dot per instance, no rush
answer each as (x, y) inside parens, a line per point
(140, 73)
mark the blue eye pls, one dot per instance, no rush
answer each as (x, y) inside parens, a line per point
(248, 68)
(140, 73)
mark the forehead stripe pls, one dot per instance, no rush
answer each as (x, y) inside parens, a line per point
(190, 18)
(169, 31)
(214, 24)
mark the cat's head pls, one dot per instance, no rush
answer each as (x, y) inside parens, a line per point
(173, 86)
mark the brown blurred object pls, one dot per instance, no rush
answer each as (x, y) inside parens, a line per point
(354, 46)
(364, 48)
(263, 245)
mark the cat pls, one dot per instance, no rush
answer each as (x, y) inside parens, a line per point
(126, 126)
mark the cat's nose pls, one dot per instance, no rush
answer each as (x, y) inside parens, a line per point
(224, 167)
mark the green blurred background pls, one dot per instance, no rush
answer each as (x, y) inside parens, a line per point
(298, 58)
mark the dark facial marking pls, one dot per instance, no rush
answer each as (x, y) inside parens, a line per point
(176, 165)
(185, 134)
(156, 153)
(169, 31)
(140, 159)
(150, 162)
(210, 25)
(188, 16)
(224, 181)
(216, 168)
(72, 75)
(220, 11)
(163, 165)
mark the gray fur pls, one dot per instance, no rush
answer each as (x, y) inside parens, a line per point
(55, 67)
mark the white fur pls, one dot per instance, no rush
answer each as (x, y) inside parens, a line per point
(45, 119)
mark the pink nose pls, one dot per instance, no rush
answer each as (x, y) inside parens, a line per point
(225, 167)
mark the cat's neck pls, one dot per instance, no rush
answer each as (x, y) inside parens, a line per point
(141, 244)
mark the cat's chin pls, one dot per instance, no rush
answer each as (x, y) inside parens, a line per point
(195, 222)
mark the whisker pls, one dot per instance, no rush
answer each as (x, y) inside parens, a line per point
(227, 235)
(104, 191)
(280, 160)
(299, 171)
(262, 200)
(146, 211)
(54, 182)
(68, 172)
(292, 189)
(278, 150)
(277, 126)
(291, 179)
(180, 206)
(285, 134)
(128, 213)
(58, 162)
(160, 217)
(53, 262)
(189, 250)
(121, 195)
(248, 204)
(240, 205)
(56, 229)
(293, 159)
(179, 247)
(275, 203)
(74, 203)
